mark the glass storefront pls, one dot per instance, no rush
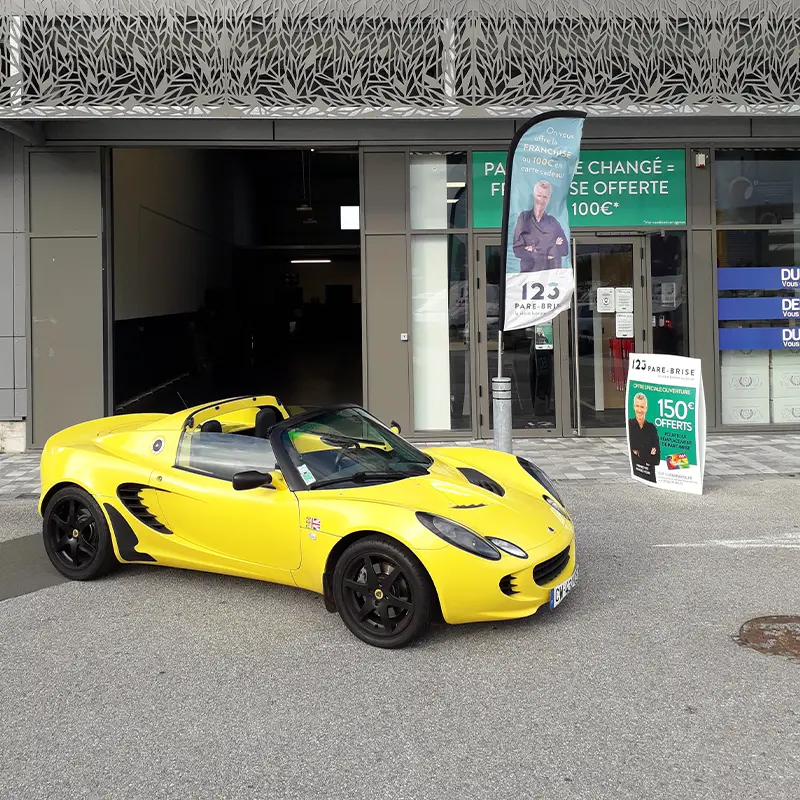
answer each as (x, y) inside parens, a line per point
(440, 346)
(669, 282)
(570, 375)
(440, 293)
(758, 284)
(603, 349)
(528, 356)
(757, 186)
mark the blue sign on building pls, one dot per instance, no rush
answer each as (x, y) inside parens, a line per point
(733, 278)
(759, 338)
(746, 308)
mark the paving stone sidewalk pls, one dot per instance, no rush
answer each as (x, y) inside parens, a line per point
(19, 475)
(598, 459)
(606, 459)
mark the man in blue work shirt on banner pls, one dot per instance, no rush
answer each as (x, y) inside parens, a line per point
(539, 241)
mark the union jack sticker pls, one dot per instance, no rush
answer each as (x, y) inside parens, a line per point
(312, 523)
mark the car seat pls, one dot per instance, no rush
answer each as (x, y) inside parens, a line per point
(211, 426)
(265, 419)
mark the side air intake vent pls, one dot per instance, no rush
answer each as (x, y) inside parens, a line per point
(482, 481)
(508, 585)
(130, 496)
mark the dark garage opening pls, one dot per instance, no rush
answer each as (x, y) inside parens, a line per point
(235, 272)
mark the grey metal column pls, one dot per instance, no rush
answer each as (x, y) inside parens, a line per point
(575, 342)
(501, 402)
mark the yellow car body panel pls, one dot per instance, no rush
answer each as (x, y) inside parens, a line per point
(163, 514)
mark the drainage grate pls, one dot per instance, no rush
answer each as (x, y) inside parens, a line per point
(777, 636)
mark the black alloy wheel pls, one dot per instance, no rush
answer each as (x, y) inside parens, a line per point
(76, 535)
(382, 592)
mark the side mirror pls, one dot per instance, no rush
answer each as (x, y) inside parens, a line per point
(395, 427)
(251, 479)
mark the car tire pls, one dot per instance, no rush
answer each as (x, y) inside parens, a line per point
(392, 607)
(76, 536)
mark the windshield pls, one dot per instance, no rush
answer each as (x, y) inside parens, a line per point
(348, 447)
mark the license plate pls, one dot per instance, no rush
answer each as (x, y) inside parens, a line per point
(558, 593)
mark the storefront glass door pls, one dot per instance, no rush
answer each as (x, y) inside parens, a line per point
(532, 358)
(607, 320)
(567, 378)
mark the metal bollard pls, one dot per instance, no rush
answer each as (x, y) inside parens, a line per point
(501, 404)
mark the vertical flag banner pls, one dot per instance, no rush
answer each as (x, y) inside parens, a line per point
(538, 277)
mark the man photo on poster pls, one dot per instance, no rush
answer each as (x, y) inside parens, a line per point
(539, 240)
(644, 443)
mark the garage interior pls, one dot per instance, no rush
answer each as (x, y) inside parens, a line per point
(235, 272)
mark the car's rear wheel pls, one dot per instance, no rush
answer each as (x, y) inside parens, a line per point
(76, 535)
(382, 592)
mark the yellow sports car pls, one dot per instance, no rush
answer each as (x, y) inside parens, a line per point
(328, 500)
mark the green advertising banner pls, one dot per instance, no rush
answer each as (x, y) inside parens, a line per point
(610, 189)
(488, 187)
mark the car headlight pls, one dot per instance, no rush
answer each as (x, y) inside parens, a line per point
(541, 477)
(507, 547)
(555, 506)
(459, 536)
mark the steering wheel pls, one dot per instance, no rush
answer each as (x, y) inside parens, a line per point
(337, 463)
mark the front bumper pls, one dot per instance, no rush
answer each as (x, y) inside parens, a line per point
(470, 588)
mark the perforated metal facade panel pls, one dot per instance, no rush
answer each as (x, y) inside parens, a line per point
(385, 58)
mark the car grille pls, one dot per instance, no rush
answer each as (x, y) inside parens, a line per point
(549, 570)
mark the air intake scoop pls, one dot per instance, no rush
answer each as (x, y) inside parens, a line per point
(482, 481)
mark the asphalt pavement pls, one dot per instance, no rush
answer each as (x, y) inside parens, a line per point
(156, 683)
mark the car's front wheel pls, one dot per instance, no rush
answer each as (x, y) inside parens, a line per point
(382, 592)
(76, 535)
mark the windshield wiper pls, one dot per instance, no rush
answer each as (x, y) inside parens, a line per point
(363, 476)
(338, 440)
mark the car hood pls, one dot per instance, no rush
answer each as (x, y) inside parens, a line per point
(520, 515)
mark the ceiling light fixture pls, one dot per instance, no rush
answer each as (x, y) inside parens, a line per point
(311, 261)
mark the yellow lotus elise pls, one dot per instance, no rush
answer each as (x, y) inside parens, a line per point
(329, 500)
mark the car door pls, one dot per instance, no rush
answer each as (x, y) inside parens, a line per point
(219, 524)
